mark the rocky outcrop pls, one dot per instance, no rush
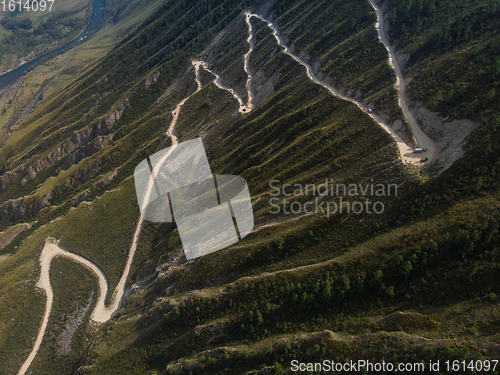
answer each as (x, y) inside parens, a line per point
(86, 176)
(106, 180)
(79, 138)
(88, 150)
(23, 207)
(8, 176)
(92, 136)
(117, 112)
(150, 79)
(77, 199)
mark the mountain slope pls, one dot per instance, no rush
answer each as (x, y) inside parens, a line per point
(418, 280)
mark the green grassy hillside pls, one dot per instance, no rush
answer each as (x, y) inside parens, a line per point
(415, 283)
(454, 55)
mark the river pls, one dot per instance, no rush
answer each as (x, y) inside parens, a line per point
(96, 19)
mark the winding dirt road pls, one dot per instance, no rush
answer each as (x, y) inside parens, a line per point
(102, 313)
(51, 249)
(218, 82)
(246, 60)
(177, 110)
(244, 108)
(407, 154)
(423, 141)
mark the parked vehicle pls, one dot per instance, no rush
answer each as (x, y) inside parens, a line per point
(424, 159)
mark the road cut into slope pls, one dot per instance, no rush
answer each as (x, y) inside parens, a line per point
(246, 60)
(218, 82)
(423, 141)
(101, 313)
(244, 108)
(406, 152)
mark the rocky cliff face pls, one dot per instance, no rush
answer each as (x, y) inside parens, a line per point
(82, 144)
(20, 208)
(149, 80)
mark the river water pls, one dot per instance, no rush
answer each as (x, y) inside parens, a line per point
(95, 22)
